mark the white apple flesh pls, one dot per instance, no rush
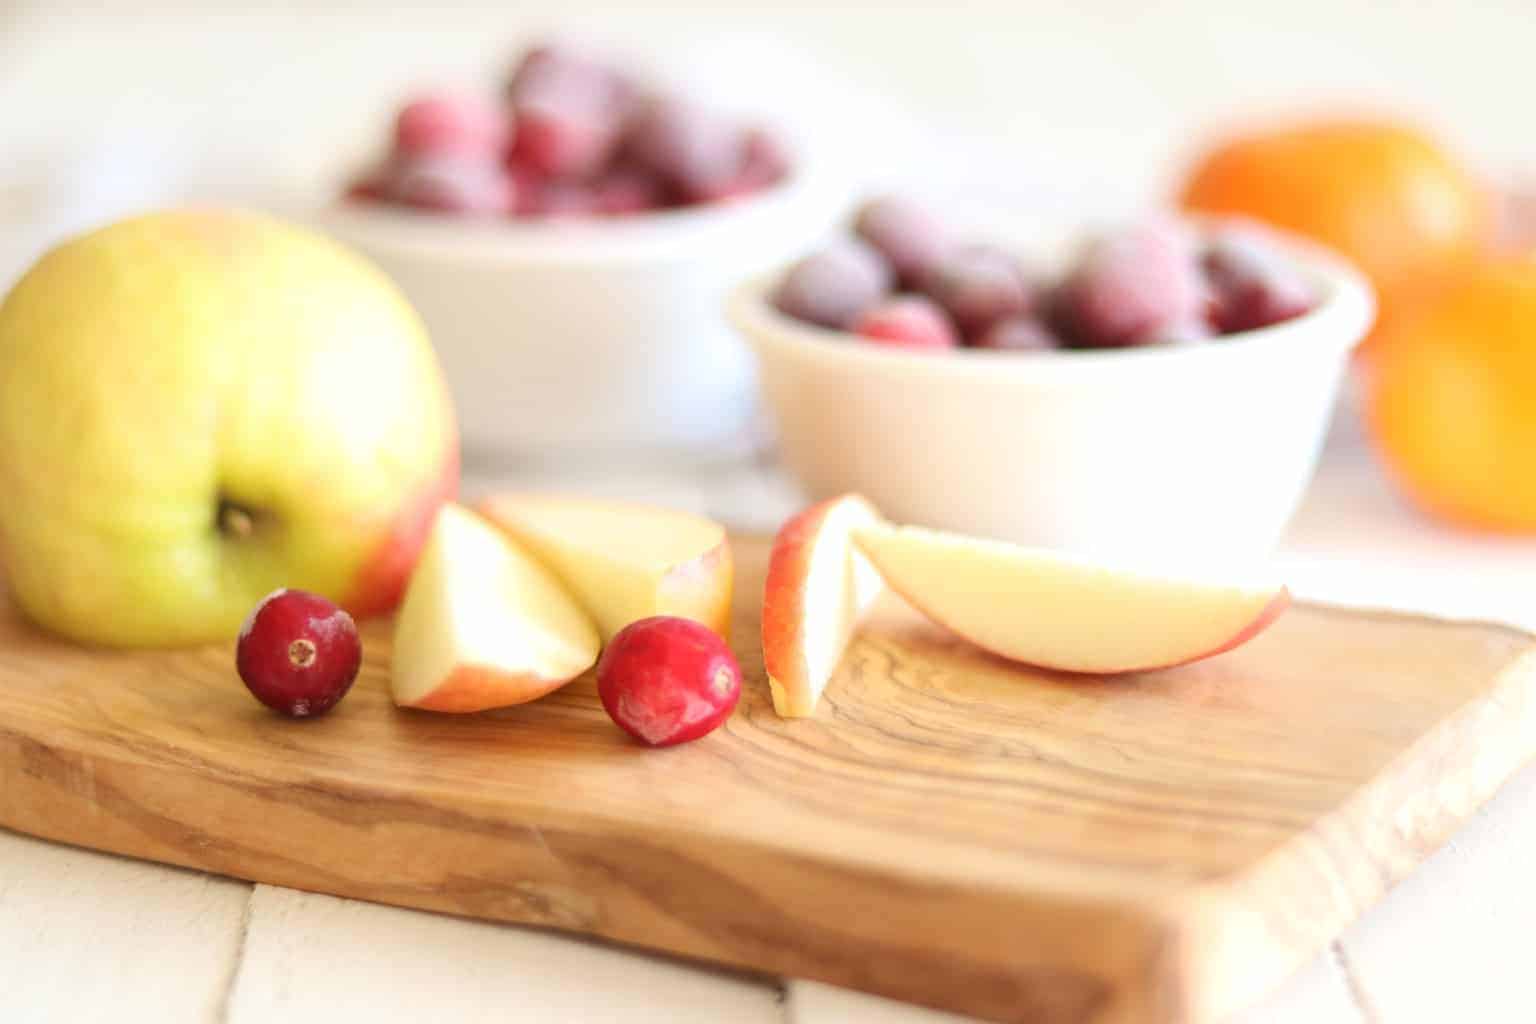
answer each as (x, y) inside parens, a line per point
(483, 624)
(625, 562)
(819, 587)
(1061, 611)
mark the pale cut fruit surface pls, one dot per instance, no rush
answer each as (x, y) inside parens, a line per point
(819, 587)
(623, 561)
(484, 624)
(1066, 611)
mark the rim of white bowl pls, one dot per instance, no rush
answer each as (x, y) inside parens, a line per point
(1339, 321)
(807, 190)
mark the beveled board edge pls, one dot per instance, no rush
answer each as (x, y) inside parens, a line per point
(1197, 957)
(997, 954)
(1248, 933)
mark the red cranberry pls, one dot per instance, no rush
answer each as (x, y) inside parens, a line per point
(911, 239)
(908, 321)
(667, 680)
(1254, 286)
(1018, 334)
(1131, 287)
(454, 126)
(833, 286)
(298, 653)
(979, 285)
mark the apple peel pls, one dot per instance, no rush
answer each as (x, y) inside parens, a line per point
(1062, 611)
(818, 589)
(483, 625)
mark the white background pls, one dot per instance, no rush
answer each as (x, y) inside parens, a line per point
(1087, 110)
(1092, 106)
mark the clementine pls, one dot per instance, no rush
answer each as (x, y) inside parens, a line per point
(1386, 196)
(1451, 397)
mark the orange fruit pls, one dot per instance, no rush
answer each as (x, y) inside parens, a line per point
(1451, 397)
(1384, 195)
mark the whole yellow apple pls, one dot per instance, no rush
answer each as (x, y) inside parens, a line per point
(200, 406)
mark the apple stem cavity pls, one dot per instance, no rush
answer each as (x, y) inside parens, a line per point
(235, 520)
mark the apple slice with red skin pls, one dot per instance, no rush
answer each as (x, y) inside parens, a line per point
(1064, 611)
(483, 624)
(818, 588)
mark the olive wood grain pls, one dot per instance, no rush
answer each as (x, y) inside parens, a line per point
(950, 829)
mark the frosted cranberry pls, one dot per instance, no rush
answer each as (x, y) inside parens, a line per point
(298, 653)
(1192, 331)
(667, 680)
(1514, 218)
(525, 184)
(555, 199)
(833, 286)
(689, 148)
(454, 186)
(373, 187)
(907, 321)
(567, 76)
(564, 141)
(765, 159)
(910, 238)
(732, 189)
(1018, 334)
(1131, 287)
(543, 64)
(979, 285)
(1254, 286)
(451, 126)
(763, 163)
(628, 190)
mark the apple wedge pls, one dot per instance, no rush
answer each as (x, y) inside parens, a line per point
(625, 562)
(483, 624)
(1063, 611)
(818, 588)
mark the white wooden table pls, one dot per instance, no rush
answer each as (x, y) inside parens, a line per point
(87, 936)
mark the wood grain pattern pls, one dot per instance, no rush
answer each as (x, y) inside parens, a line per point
(950, 829)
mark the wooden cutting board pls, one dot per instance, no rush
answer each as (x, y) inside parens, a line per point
(950, 829)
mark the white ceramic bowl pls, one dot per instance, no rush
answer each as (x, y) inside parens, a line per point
(1176, 452)
(574, 339)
